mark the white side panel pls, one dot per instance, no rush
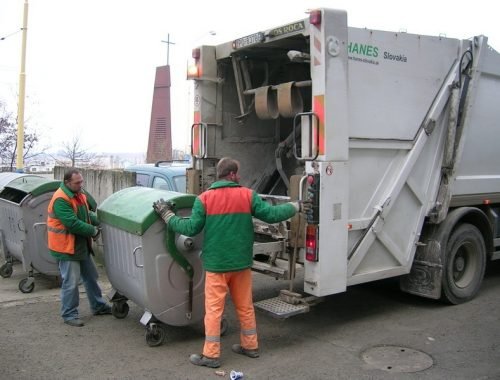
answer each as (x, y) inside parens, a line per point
(479, 169)
(393, 79)
(394, 189)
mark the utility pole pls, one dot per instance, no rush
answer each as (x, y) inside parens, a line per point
(22, 89)
(168, 42)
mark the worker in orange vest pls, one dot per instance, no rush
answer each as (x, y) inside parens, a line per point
(70, 226)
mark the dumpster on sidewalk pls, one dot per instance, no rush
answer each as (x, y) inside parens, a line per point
(160, 271)
(24, 199)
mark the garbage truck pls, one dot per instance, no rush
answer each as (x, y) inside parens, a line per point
(393, 137)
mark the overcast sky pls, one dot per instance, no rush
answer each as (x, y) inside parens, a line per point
(91, 63)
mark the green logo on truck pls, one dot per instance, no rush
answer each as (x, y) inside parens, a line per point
(363, 49)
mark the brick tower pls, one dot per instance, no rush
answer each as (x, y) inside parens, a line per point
(160, 135)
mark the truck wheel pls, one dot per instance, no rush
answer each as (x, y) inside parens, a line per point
(155, 334)
(465, 263)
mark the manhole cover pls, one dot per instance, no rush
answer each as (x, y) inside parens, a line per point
(397, 359)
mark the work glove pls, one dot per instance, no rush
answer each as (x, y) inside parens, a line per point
(302, 206)
(165, 209)
(97, 234)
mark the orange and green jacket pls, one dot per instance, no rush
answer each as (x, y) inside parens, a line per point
(70, 224)
(225, 210)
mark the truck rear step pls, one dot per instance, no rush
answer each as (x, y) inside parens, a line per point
(287, 304)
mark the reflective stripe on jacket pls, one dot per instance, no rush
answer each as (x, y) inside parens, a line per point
(59, 237)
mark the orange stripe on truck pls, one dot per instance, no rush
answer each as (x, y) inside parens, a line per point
(319, 110)
(196, 133)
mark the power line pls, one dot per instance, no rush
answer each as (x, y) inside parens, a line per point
(11, 34)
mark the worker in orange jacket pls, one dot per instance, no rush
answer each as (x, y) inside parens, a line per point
(225, 211)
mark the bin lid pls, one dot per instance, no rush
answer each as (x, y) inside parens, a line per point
(7, 177)
(34, 185)
(131, 209)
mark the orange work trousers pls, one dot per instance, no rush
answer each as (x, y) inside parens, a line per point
(239, 285)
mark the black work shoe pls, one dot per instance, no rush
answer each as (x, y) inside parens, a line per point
(106, 309)
(75, 322)
(204, 361)
(243, 351)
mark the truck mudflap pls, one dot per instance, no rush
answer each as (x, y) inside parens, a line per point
(426, 272)
(287, 304)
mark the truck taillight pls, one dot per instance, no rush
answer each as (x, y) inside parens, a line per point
(192, 71)
(312, 243)
(315, 17)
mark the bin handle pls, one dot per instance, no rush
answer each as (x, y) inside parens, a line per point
(135, 257)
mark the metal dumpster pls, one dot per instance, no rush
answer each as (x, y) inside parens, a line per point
(158, 270)
(24, 199)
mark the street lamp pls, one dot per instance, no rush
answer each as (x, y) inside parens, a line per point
(22, 87)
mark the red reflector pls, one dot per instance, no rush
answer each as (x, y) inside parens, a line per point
(312, 243)
(315, 17)
(196, 53)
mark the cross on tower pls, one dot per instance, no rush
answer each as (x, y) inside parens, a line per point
(168, 42)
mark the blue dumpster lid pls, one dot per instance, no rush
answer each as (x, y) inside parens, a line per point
(131, 209)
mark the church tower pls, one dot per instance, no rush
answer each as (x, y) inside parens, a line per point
(160, 134)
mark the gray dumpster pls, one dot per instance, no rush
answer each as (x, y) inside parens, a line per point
(24, 199)
(158, 270)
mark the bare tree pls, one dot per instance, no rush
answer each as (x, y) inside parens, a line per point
(75, 151)
(8, 139)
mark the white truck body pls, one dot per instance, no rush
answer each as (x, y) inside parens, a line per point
(392, 133)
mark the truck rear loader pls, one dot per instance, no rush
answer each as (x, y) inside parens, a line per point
(394, 137)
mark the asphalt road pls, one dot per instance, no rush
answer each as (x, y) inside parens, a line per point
(372, 331)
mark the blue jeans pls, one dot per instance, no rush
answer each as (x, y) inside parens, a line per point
(71, 270)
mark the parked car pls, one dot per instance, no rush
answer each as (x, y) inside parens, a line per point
(166, 175)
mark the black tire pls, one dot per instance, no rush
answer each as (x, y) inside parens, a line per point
(224, 326)
(6, 270)
(26, 288)
(464, 264)
(155, 334)
(120, 309)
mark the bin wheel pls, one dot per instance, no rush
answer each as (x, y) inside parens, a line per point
(155, 334)
(6, 270)
(120, 309)
(224, 326)
(26, 288)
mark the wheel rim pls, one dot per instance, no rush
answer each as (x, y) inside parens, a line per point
(464, 265)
